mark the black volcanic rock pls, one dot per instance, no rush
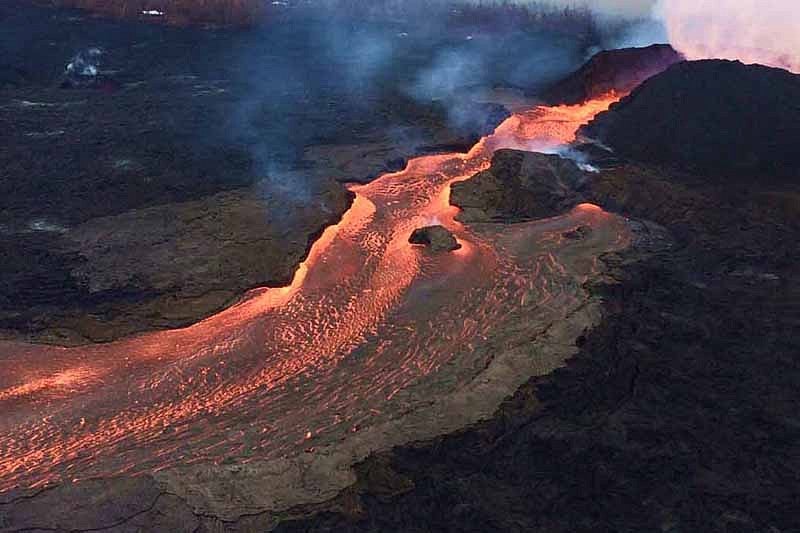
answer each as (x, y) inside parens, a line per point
(437, 238)
(180, 12)
(678, 413)
(612, 70)
(579, 233)
(12, 77)
(519, 186)
(152, 268)
(201, 187)
(713, 118)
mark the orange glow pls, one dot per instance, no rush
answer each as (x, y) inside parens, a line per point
(59, 383)
(365, 316)
(589, 208)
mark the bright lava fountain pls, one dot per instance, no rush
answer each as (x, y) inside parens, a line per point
(371, 328)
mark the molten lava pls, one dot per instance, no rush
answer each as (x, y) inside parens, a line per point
(367, 318)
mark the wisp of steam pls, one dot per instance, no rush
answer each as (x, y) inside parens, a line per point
(85, 63)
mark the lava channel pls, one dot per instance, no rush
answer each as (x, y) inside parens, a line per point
(369, 328)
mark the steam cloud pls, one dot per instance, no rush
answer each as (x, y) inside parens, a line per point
(754, 31)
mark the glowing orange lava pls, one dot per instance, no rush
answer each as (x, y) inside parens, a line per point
(366, 316)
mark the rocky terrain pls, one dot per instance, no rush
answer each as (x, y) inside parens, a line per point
(216, 12)
(693, 137)
(115, 130)
(520, 186)
(676, 412)
(679, 411)
(436, 238)
(157, 267)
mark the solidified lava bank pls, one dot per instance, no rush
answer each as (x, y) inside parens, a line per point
(371, 339)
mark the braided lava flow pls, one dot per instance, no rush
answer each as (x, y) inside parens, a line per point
(368, 322)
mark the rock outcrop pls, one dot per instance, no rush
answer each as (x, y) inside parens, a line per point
(519, 186)
(720, 119)
(436, 238)
(612, 70)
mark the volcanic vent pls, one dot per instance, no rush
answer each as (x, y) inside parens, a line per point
(686, 119)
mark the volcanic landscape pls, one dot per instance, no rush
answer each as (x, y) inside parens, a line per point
(309, 269)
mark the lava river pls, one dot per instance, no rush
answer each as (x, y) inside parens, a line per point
(370, 329)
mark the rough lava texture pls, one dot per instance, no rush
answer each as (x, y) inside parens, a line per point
(364, 161)
(679, 413)
(212, 12)
(721, 119)
(519, 186)
(437, 238)
(252, 493)
(154, 190)
(612, 70)
(157, 267)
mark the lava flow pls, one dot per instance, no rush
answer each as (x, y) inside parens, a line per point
(370, 328)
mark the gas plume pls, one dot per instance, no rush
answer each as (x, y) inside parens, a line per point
(753, 31)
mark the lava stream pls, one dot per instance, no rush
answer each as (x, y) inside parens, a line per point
(366, 319)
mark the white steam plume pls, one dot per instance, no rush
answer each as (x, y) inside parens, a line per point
(753, 31)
